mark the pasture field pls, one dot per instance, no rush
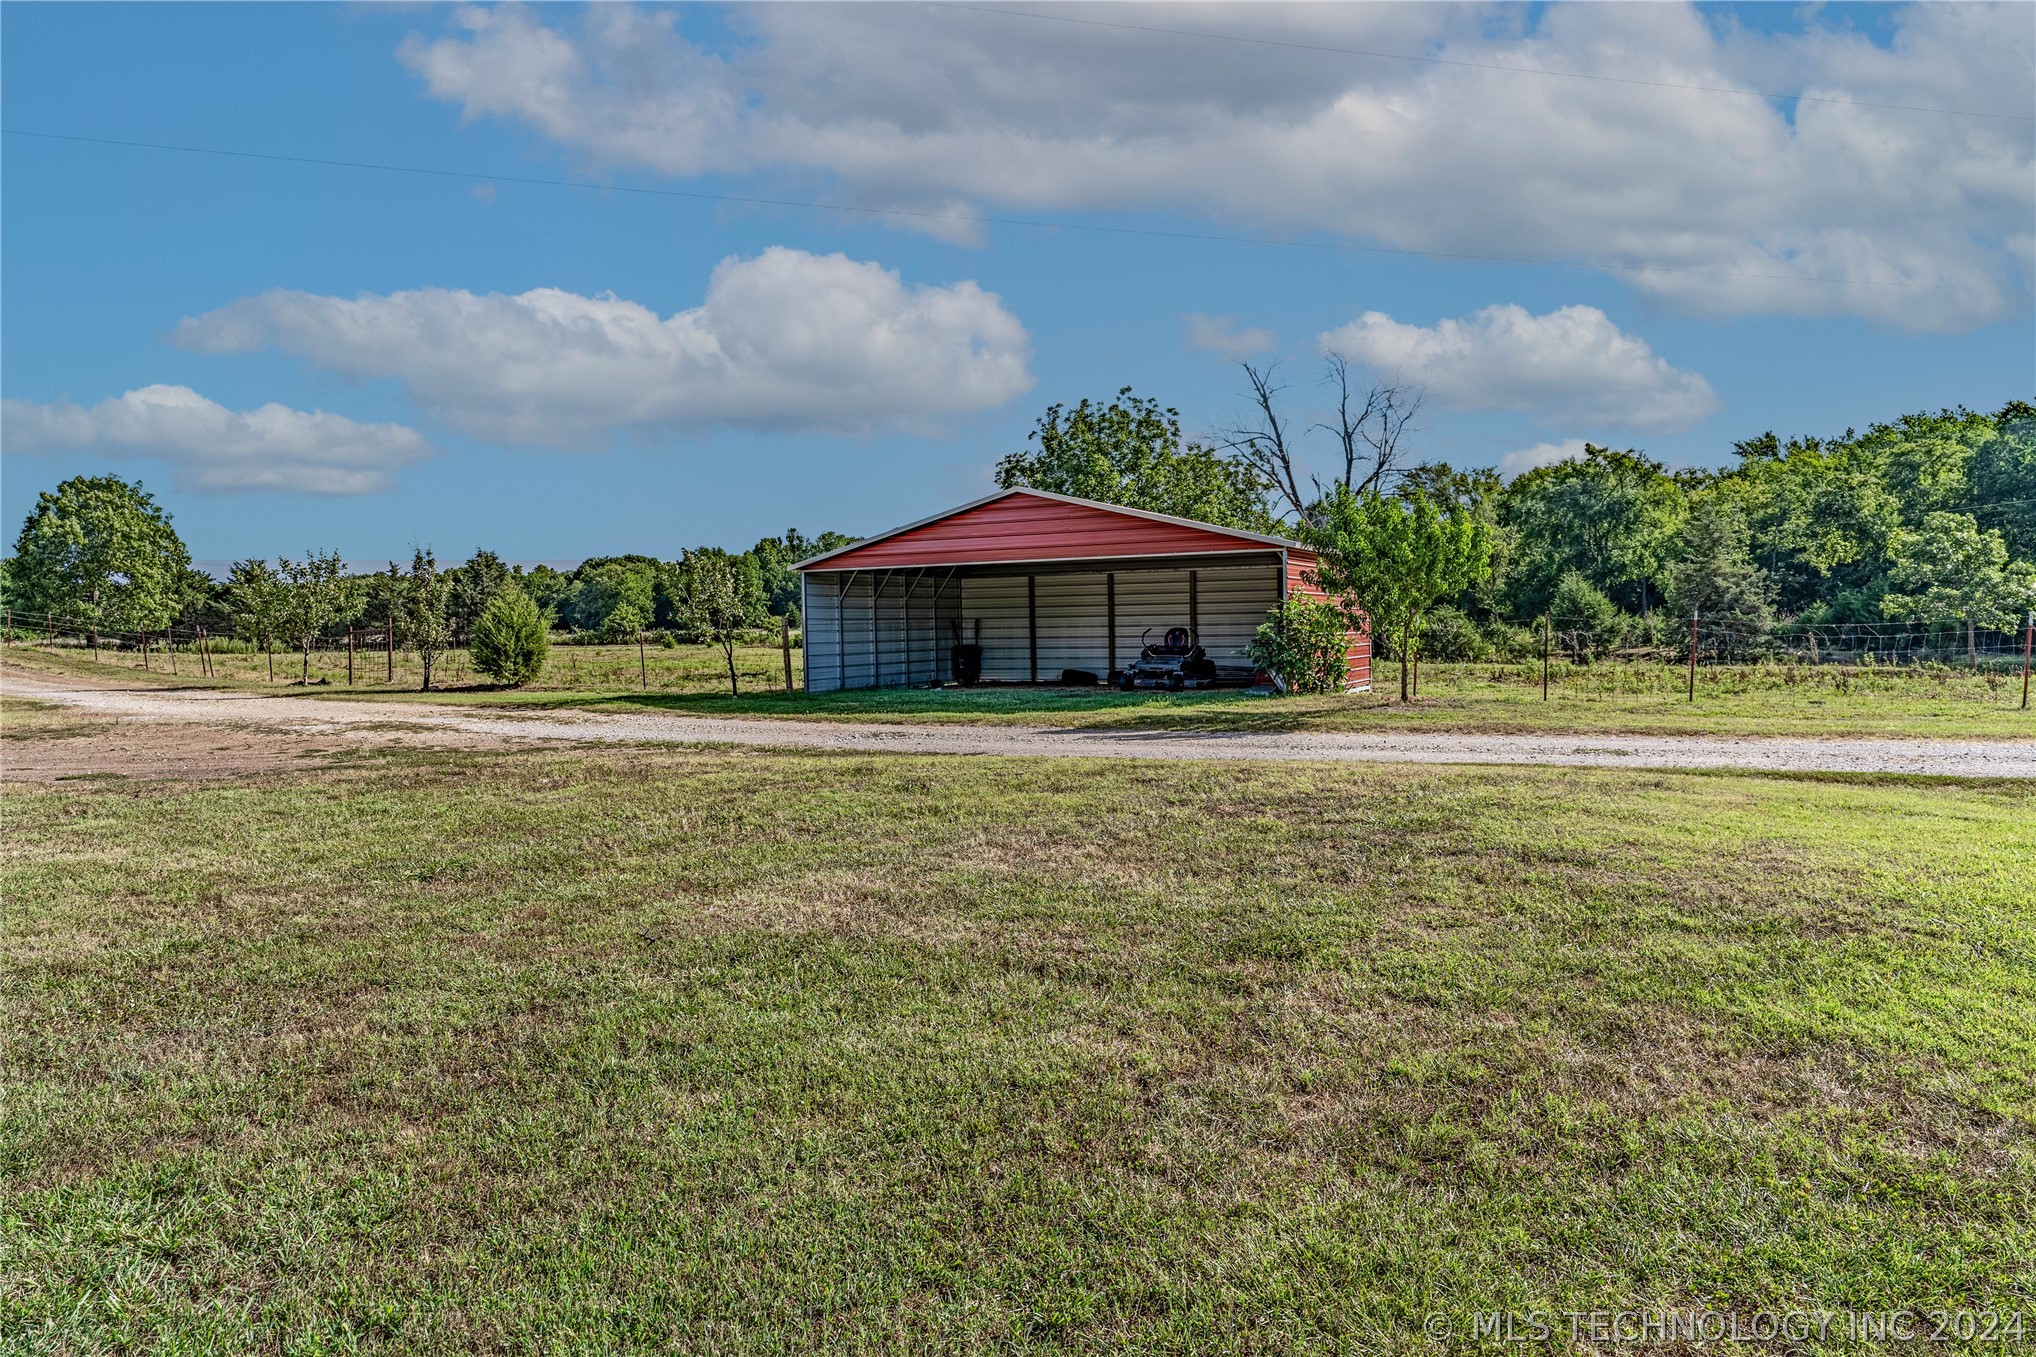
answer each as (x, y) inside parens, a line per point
(742, 1052)
(1645, 699)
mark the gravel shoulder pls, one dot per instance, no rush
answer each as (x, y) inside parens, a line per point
(352, 722)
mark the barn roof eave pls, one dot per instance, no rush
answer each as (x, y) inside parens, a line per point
(1240, 534)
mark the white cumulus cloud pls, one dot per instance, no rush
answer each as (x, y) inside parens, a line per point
(1568, 368)
(786, 340)
(1541, 454)
(1719, 202)
(213, 448)
(1221, 335)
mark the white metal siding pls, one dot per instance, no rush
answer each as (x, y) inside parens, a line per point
(1071, 624)
(1148, 603)
(1232, 601)
(998, 603)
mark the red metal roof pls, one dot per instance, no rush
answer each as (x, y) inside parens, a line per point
(1035, 525)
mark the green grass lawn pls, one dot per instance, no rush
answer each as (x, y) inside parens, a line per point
(644, 1050)
(1482, 698)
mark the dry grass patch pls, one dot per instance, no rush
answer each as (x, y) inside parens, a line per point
(628, 1049)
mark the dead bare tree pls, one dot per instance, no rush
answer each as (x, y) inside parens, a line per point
(1383, 419)
(1264, 448)
(1369, 430)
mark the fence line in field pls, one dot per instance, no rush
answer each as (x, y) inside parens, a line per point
(363, 649)
(1841, 644)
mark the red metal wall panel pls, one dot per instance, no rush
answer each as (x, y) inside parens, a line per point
(1024, 527)
(1300, 569)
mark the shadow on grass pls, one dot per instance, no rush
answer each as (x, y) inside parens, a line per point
(1068, 708)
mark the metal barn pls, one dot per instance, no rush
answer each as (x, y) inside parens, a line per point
(1051, 583)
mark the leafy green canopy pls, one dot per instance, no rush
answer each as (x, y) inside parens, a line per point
(1809, 529)
(472, 586)
(318, 593)
(1582, 620)
(1304, 645)
(1131, 452)
(718, 595)
(422, 604)
(258, 602)
(511, 638)
(99, 552)
(1391, 558)
(1950, 571)
(1609, 516)
(1716, 581)
(1825, 514)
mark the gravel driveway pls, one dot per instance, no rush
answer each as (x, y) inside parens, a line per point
(327, 719)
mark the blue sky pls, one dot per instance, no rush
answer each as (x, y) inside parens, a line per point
(362, 360)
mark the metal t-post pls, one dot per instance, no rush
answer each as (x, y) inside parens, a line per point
(1693, 654)
(1544, 657)
(2028, 632)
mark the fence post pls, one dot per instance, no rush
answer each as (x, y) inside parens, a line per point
(144, 647)
(1693, 654)
(349, 657)
(389, 642)
(642, 665)
(1544, 657)
(786, 641)
(2028, 632)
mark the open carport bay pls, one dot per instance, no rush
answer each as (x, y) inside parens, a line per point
(885, 628)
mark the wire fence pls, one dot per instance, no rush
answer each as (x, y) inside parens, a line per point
(377, 656)
(1849, 650)
(1883, 643)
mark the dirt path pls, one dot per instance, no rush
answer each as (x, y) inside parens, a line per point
(313, 719)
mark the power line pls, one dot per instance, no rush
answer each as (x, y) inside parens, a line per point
(959, 218)
(1485, 65)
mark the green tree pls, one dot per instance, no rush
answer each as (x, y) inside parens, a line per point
(1715, 578)
(716, 601)
(1611, 516)
(1304, 644)
(615, 596)
(99, 553)
(473, 584)
(1449, 635)
(1131, 452)
(1479, 491)
(259, 603)
(204, 604)
(547, 589)
(511, 638)
(1389, 559)
(1949, 570)
(421, 611)
(775, 558)
(1587, 623)
(2002, 480)
(317, 593)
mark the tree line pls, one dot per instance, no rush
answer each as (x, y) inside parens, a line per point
(1929, 518)
(99, 555)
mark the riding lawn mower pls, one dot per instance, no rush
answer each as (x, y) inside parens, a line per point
(1177, 662)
